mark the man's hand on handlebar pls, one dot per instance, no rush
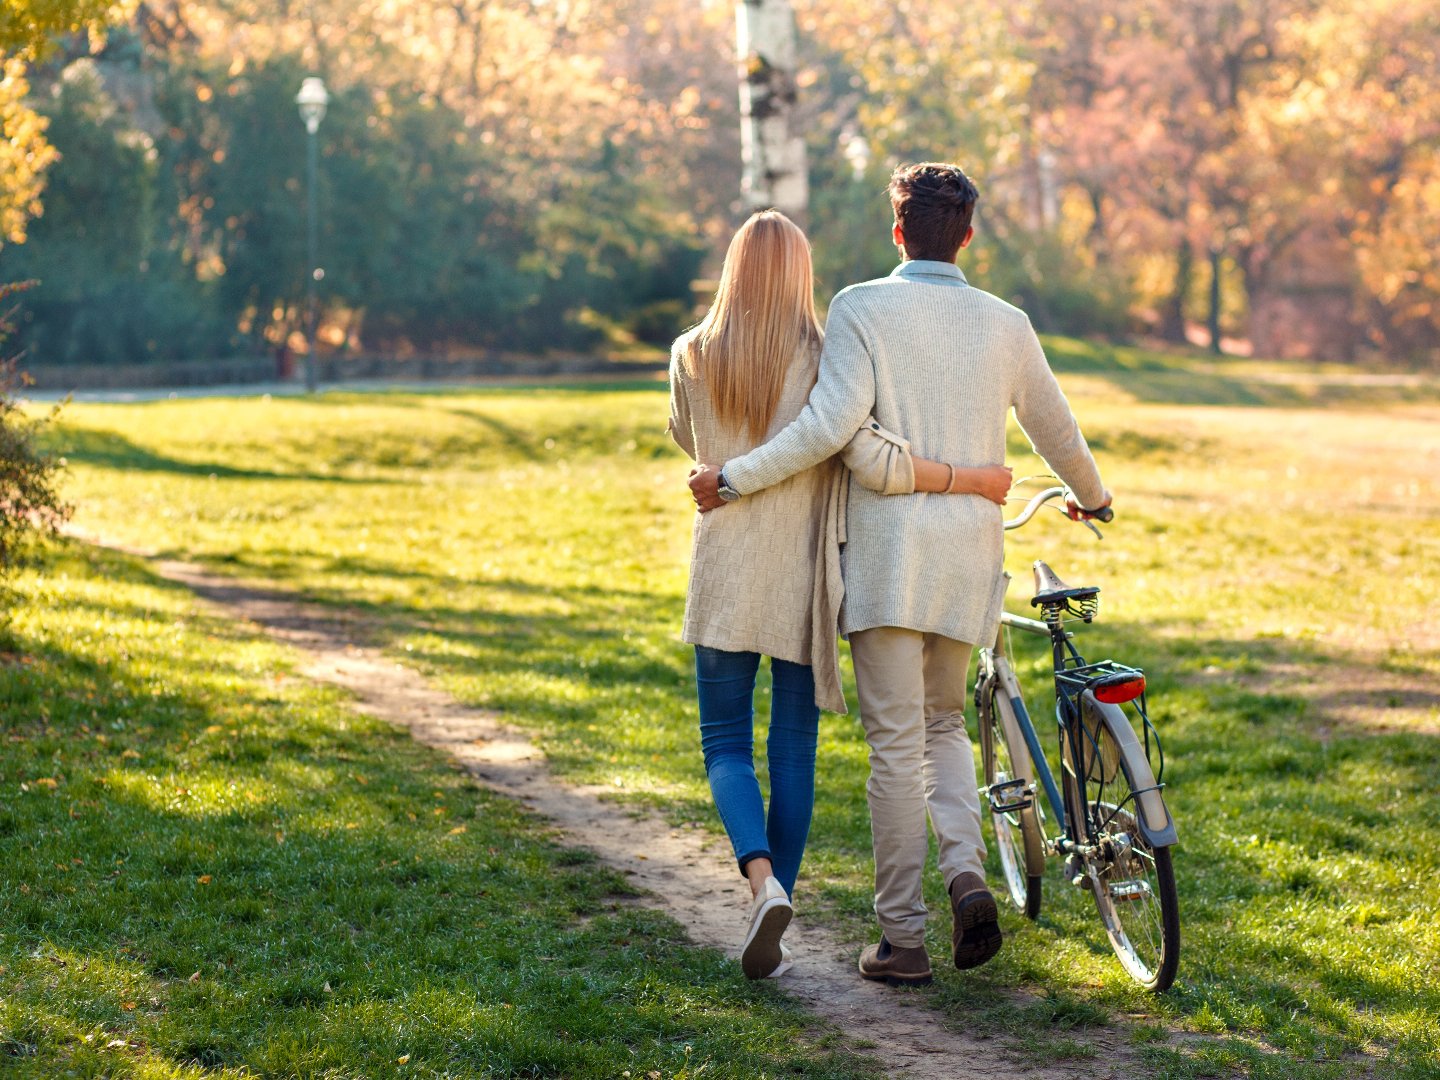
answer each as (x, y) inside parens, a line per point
(1076, 512)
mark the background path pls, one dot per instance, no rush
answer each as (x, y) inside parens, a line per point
(691, 877)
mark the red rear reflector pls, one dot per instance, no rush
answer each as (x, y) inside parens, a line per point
(1117, 693)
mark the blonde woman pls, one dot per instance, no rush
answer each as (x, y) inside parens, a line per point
(764, 575)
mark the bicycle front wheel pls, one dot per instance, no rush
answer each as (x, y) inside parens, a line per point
(1018, 838)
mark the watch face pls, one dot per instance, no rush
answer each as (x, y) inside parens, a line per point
(729, 494)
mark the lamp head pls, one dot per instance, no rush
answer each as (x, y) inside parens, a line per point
(312, 99)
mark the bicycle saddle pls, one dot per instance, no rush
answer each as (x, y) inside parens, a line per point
(1049, 589)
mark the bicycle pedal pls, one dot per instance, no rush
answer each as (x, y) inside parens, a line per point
(1130, 891)
(1009, 797)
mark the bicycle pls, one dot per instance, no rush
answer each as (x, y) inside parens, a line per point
(1114, 831)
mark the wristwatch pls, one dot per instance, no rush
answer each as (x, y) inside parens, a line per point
(726, 492)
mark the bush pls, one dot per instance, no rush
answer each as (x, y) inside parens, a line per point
(30, 503)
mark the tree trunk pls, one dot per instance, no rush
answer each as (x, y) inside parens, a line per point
(1172, 315)
(1214, 316)
(774, 158)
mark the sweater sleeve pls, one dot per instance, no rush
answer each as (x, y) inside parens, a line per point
(681, 428)
(843, 396)
(880, 460)
(1047, 421)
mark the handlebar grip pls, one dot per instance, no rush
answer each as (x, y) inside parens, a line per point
(1105, 514)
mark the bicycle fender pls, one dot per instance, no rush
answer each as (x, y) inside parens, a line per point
(1154, 819)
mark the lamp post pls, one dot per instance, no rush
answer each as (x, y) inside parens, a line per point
(312, 100)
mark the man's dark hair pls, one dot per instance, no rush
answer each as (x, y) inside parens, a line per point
(933, 203)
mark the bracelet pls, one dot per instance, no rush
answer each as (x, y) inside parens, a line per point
(950, 480)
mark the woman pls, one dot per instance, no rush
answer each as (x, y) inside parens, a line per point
(764, 573)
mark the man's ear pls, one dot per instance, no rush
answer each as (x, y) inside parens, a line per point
(969, 235)
(897, 234)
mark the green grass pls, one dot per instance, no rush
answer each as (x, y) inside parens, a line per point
(1273, 566)
(214, 867)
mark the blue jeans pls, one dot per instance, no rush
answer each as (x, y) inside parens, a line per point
(726, 682)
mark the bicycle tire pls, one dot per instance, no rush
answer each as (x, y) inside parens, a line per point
(1132, 883)
(1019, 840)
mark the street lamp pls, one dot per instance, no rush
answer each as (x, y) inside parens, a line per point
(312, 100)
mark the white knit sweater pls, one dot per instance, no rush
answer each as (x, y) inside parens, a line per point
(943, 363)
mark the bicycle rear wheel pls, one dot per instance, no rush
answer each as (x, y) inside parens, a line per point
(1018, 838)
(1132, 881)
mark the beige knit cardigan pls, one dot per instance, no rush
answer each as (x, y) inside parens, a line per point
(930, 356)
(765, 571)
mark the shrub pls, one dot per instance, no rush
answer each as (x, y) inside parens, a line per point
(30, 504)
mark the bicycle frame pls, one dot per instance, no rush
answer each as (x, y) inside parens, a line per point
(998, 662)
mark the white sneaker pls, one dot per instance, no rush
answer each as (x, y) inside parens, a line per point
(787, 961)
(769, 916)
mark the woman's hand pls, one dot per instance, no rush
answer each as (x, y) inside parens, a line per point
(991, 481)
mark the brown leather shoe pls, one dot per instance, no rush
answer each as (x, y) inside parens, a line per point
(976, 935)
(898, 967)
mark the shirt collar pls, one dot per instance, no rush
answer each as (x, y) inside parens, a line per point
(929, 268)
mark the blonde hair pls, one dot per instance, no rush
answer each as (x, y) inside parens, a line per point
(763, 314)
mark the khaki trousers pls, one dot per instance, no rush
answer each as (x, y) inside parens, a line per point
(911, 687)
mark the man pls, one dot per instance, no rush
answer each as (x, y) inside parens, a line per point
(944, 363)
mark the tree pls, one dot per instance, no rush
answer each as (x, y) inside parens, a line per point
(24, 153)
(115, 286)
(26, 30)
(774, 156)
(27, 26)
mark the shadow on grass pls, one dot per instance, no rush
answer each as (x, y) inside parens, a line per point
(106, 449)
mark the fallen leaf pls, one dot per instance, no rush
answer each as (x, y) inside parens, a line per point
(130, 754)
(204, 879)
(128, 1006)
(402, 1059)
(195, 978)
(326, 987)
(457, 830)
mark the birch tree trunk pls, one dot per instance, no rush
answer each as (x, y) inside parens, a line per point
(773, 155)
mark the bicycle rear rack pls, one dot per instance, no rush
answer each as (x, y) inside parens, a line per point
(1074, 681)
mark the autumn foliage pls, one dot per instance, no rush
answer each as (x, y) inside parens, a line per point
(530, 174)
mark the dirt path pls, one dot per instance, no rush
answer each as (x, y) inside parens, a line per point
(691, 880)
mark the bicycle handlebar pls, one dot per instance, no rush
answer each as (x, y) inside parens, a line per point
(1105, 513)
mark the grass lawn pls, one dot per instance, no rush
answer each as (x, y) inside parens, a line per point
(1273, 565)
(214, 867)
